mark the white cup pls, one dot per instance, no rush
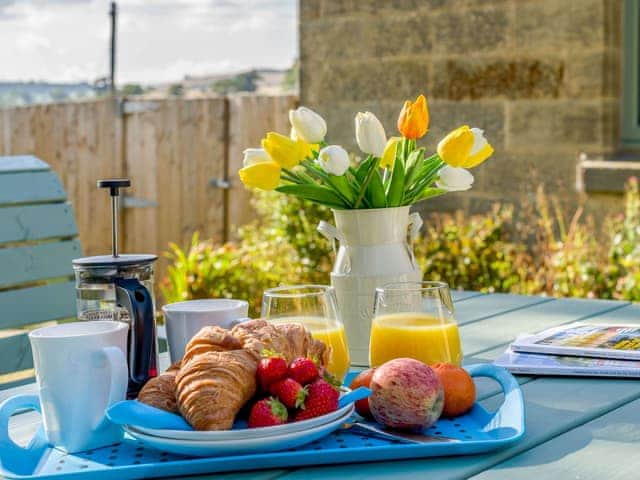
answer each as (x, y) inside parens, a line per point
(185, 319)
(81, 369)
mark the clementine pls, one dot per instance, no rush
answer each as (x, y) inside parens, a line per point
(363, 380)
(459, 389)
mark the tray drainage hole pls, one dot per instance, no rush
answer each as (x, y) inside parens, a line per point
(139, 455)
(84, 466)
(462, 430)
(467, 437)
(340, 440)
(456, 424)
(317, 448)
(112, 457)
(136, 462)
(164, 454)
(368, 445)
(438, 433)
(58, 468)
(61, 461)
(114, 450)
(343, 446)
(165, 459)
(395, 442)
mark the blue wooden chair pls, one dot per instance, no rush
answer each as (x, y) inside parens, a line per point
(38, 240)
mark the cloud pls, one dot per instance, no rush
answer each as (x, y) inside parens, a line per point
(158, 41)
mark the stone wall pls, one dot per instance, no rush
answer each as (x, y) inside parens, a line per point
(541, 77)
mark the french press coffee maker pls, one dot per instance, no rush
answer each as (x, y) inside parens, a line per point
(120, 287)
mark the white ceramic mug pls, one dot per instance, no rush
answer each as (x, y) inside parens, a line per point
(185, 319)
(81, 368)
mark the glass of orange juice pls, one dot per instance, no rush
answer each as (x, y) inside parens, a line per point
(416, 320)
(315, 307)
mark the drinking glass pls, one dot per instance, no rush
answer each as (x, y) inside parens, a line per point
(315, 307)
(416, 320)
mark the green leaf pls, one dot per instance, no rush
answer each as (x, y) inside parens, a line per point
(341, 184)
(315, 193)
(396, 185)
(430, 192)
(375, 191)
(372, 166)
(363, 169)
(414, 165)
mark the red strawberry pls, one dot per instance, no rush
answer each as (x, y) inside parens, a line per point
(303, 370)
(270, 370)
(267, 412)
(322, 398)
(290, 392)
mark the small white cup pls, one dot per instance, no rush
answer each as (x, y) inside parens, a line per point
(81, 369)
(185, 319)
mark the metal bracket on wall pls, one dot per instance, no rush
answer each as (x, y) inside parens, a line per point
(220, 183)
(135, 202)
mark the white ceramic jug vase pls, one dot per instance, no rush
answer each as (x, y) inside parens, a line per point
(376, 248)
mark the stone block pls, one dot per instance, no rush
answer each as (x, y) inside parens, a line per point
(593, 74)
(460, 78)
(553, 24)
(410, 34)
(468, 31)
(355, 7)
(379, 80)
(309, 10)
(335, 39)
(562, 125)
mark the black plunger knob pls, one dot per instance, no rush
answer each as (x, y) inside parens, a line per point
(114, 184)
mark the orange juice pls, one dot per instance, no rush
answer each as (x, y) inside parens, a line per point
(332, 334)
(415, 335)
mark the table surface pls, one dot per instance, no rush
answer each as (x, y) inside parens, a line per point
(584, 428)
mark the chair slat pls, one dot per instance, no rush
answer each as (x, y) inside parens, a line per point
(38, 262)
(30, 187)
(21, 163)
(35, 222)
(15, 351)
(37, 304)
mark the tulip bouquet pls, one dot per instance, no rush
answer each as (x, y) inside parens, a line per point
(395, 171)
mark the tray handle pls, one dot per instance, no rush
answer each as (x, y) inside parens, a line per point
(511, 412)
(13, 457)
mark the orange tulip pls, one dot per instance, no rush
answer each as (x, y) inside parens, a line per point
(413, 121)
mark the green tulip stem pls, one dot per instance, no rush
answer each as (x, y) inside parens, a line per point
(366, 182)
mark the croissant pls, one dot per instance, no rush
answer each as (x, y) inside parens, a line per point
(210, 339)
(213, 386)
(160, 391)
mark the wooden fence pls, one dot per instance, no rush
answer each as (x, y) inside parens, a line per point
(175, 151)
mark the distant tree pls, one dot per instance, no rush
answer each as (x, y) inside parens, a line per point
(176, 90)
(132, 89)
(291, 77)
(58, 94)
(242, 82)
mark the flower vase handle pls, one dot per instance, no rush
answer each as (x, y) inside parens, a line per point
(415, 224)
(331, 233)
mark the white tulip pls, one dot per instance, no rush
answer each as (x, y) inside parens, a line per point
(334, 159)
(370, 134)
(254, 155)
(454, 179)
(308, 125)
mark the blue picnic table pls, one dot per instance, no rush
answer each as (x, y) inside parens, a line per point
(584, 428)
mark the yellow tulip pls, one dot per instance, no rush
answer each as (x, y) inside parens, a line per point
(263, 175)
(413, 121)
(389, 154)
(464, 147)
(286, 152)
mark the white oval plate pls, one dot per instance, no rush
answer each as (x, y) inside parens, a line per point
(240, 431)
(243, 433)
(248, 445)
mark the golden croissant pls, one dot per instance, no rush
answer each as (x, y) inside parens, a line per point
(216, 376)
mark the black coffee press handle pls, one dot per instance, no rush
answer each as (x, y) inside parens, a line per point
(114, 185)
(133, 296)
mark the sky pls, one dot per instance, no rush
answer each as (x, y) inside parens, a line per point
(159, 41)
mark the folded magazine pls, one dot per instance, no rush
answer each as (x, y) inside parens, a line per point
(584, 340)
(541, 364)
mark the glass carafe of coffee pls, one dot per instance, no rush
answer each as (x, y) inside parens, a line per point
(120, 287)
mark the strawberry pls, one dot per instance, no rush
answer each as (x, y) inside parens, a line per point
(289, 392)
(270, 370)
(267, 413)
(322, 398)
(303, 370)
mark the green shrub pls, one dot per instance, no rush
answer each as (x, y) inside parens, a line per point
(539, 253)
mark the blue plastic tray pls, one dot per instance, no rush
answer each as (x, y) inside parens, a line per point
(478, 431)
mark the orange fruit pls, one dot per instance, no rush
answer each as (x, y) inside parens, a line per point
(459, 389)
(363, 380)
